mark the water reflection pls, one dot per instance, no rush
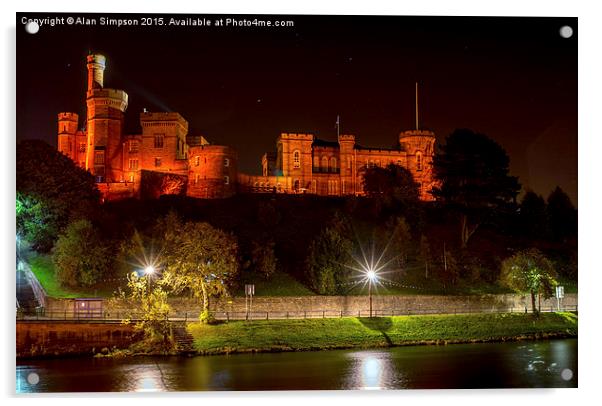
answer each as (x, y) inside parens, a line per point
(370, 370)
(503, 365)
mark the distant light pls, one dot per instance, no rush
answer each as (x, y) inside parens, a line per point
(371, 275)
(566, 31)
(149, 270)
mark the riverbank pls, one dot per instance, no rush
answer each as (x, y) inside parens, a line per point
(352, 332)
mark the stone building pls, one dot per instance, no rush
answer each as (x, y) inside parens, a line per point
(165, 159)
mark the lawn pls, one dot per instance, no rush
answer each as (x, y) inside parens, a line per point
(279, 284)
(43, 268)
(316, 334)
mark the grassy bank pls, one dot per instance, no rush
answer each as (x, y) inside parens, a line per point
(319, 334)
(43, 268)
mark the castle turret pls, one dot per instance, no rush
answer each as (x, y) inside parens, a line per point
(96, 68)
(67, 123)
(419, 146)
(106, 107)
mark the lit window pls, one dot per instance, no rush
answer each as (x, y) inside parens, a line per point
(133, 164)
(324, 164)
(132, 178)
(349, 162)
(157, 162)
(158, 140)
(297, 159)
(333, 164)
(418, 161)
(197, 160)
(99, 158)
(196, 179)
(82, 147)
(226, 162)
(133, 146)
(316, 162)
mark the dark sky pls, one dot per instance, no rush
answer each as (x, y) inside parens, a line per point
(514, 79)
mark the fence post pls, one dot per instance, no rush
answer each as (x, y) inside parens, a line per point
(359, 313)
(323, 314)
(304, 314)
(267, 315)
(341, 314)
(227, 316)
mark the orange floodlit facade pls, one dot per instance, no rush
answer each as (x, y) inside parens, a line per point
(165, 156)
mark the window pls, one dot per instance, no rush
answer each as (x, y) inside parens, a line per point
(343, 187)
(349, 162)
(324, 164)
(316, 163)
(296, 185)
(314, 186)
(226, 161)
(82, 147)
(157, 162)
(196, 178)
(296, 159)
(158, 140)
(197, 160)
(99, 158)
(333, 164)
(418, 161)
(133, 146)
(132, 178)
(133, 164)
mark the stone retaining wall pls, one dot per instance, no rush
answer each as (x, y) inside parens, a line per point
(48, 338)
(347, 304)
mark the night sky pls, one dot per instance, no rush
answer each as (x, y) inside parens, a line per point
(514, 79)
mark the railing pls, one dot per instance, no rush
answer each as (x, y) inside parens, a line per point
(38, 290)
(117, 317)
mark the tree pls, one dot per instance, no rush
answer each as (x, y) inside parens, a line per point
(263, 260)
(472, 172)
(81, 257)
(533, 215)
(562, 215)
(401, 245)
(199, 258)
(329, 259)
(51, 191)
(150, 310)
(393, 183)
(529, 271)
(425, 254)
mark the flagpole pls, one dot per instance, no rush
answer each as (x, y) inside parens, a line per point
(416, 105)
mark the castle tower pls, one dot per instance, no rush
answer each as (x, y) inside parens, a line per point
(419, 146)
(96, 69)
(67, 130)
(106, 108)
(348, 164)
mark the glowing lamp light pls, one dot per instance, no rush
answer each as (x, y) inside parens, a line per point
(371, 275)
(149, 270)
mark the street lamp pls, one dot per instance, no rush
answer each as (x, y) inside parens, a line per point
(371, 278)
(149, 270)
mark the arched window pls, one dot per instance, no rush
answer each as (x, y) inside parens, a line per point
(333, 164)
(296, 185)
(296, 159)
(197, 160)
(418, 161)
(316, 163)
(324, 164)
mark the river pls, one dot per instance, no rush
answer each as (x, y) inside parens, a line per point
(527, 364)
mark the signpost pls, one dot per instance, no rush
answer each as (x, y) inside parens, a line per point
(249, 292)
(559, 295)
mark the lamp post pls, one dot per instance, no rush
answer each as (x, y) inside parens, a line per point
(149, 270)
(371, 277)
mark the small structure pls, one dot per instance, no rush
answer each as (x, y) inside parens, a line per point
(88, 308)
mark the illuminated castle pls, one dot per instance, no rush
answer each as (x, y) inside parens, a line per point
(165, 159)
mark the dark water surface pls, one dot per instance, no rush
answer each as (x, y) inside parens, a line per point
(537, 364)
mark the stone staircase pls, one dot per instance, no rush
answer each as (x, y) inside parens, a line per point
(184, 340)
(25, 295)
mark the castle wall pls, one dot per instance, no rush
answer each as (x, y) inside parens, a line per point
(302, 164)
(212, 171)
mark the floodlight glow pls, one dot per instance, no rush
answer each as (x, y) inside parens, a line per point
(371, 275)
(149, 270)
